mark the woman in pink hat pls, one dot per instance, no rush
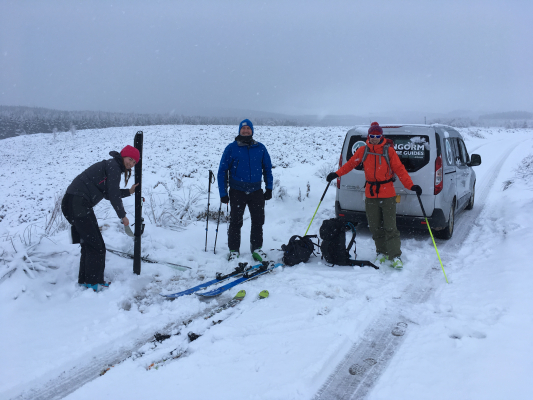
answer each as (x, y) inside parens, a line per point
(100, 180)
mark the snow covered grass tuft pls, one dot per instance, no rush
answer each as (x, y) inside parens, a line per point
(524, 171)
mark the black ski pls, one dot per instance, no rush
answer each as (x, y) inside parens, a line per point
(139, 220)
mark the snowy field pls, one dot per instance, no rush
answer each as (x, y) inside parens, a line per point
(469, 339)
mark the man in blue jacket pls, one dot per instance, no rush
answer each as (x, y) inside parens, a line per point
(243, 164)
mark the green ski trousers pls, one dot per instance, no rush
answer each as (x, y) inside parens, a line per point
(381, 216)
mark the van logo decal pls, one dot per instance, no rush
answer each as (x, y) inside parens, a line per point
(356, 145)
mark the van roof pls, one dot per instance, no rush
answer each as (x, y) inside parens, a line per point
(414, 128)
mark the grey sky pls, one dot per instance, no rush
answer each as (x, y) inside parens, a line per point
(293, 57)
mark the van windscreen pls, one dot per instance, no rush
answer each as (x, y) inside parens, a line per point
(413, 150)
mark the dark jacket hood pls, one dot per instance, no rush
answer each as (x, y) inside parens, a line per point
(118, 158)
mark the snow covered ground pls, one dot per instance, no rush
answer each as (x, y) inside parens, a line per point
(469, 339)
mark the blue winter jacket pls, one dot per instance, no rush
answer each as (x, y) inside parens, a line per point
(246, 165)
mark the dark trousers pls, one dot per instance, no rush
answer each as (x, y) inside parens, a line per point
(256, 205)
(85, 228)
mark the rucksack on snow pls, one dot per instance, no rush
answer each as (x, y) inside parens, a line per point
(333, 247)
(299, 249)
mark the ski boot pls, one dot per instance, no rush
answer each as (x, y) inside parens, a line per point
(233, 255)
(381, 259)
(97, 287)
(259, 255)
(397, 263)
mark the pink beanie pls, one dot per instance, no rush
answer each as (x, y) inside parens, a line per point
(130, 151)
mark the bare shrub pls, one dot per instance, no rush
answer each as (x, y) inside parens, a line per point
(55, 221)
(176, 210)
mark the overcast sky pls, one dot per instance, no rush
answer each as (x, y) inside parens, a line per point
(293, 57)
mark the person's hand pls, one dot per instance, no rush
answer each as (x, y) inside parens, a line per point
(417, 189)
(125, 221)
(331, 176)
(268, 194)
(224, 199)
(132, 189)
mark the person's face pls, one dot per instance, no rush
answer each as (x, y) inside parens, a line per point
(374, 140)
(246, 131)
(129, 162)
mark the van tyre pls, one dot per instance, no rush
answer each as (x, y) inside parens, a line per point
(447, 232)
(470, 204)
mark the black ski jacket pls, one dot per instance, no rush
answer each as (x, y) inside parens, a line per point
(102, 180)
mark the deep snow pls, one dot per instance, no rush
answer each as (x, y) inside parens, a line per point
(469, 340)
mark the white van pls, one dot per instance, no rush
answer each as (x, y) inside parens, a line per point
(435, 157)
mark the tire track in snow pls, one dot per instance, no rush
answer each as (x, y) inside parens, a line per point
(80, 371)
(355, 376)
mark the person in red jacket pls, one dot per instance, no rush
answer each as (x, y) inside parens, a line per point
(380, 202)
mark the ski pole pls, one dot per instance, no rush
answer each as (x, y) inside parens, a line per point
(431, 234)
(211, 180)
(218, 223)
(322, 198)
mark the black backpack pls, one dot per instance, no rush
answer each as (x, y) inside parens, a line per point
(298, 250)
(333, 247)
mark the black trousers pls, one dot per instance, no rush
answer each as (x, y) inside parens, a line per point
(256, 205)
(84, 226)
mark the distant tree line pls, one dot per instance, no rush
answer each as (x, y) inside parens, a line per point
(17, 120)
(511, 120)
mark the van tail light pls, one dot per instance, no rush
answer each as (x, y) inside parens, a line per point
(438, 175)
(339, 179)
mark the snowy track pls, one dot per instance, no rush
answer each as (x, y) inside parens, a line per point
(356, 374)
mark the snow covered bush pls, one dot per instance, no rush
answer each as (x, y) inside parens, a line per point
(16, 255)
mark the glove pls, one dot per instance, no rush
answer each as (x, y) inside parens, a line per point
(268, 194)
(224, 199)
(331, 176)
(417, 189)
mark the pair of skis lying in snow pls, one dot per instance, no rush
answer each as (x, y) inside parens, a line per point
(221, 283)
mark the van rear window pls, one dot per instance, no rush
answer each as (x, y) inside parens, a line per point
(413, 150)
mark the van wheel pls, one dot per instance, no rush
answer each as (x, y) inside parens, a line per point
(470, 204)
(447, 232)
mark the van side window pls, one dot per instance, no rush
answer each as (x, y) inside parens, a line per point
(449, 151)
(456, 151)
(465, 158)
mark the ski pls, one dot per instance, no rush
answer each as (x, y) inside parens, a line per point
(242, 268)
(265, 268)
(232, 303)
(148, 260)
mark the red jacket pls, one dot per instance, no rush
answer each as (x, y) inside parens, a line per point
(376, 172)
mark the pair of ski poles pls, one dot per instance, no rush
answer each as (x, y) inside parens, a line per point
(211, 180)
(423, 213)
